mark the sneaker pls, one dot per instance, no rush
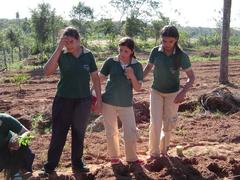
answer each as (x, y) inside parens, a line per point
(115, 161)
(26, 175)
(139, 162)
(120, 169)
(151, 158)
(17, 176)
(135, 166)
(82, 169)
(46, 173)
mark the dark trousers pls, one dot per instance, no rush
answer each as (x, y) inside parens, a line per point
(68, 113)
(16, 160)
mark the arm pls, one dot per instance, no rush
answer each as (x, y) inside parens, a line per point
(182, 94)
(23, 130)
(147, 69)
(135, 83)
(190, 80)
(97, 88)
(102, 77)
(52, 64)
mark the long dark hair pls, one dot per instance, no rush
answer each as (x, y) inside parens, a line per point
(171, 31)
(128, 42)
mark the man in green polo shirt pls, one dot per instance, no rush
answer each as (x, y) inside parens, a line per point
(13, 157)
(167, 59)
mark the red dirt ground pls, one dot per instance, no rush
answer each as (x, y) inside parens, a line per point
(210, 141)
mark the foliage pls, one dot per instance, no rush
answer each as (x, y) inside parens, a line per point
(19, 79)
(25, 139)
(81, 15)
(134, 26)
(45, 25)
(137, 8)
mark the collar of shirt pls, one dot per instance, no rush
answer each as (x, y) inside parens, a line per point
(133, 61)
(160, 49)
(84, 50)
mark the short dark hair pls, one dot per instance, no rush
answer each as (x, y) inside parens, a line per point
(169, 31)
(72, 32)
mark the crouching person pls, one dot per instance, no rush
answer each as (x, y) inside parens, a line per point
(15, 156)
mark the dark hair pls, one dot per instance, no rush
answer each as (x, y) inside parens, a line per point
(128, 42)
(72, 32)
(171, 31)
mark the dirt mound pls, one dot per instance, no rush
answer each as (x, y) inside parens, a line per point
(141, 110)
(177, 168)
(220, 99)
(188, 106)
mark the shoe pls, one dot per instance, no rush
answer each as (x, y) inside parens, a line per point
(115, 161)
(46, 173)
(134, 166)
(120, 169)
(138, 162)
(82, 169)
(17, 176)
(151, 158)
(26, 175)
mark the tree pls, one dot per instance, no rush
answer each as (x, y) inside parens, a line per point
(3, 49)
(135, 8)
(225, 42)
(157, 25)
(133, 26)
(56, 23)
(80, 15)
(41, 20)
(109, 29)
(11, 36)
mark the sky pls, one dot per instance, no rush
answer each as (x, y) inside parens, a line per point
(192, 12)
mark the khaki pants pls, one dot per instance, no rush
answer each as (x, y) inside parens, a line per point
(126, 115)
(163, 116)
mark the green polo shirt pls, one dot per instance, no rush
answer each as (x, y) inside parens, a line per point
(118, 90)
(166, 77)
(8, 125)
(75, 74)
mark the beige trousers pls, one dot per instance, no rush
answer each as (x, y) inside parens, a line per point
(163, 116)
(126, 115)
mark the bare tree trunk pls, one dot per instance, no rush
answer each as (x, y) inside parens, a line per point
(223, 79)
(12, 55)
(5, 58)
(19, 53)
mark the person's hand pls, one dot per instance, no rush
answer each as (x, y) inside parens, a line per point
(98, 107)
(13, 144)
(180, 97)
(129, 72)
(63, 41)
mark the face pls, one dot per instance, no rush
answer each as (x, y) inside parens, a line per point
(168, 43)
(71, 44)
(125, 53)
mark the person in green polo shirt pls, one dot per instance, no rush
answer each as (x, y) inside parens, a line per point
(72, 103)
(166, 95)
(124, 74)
(15, 158)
